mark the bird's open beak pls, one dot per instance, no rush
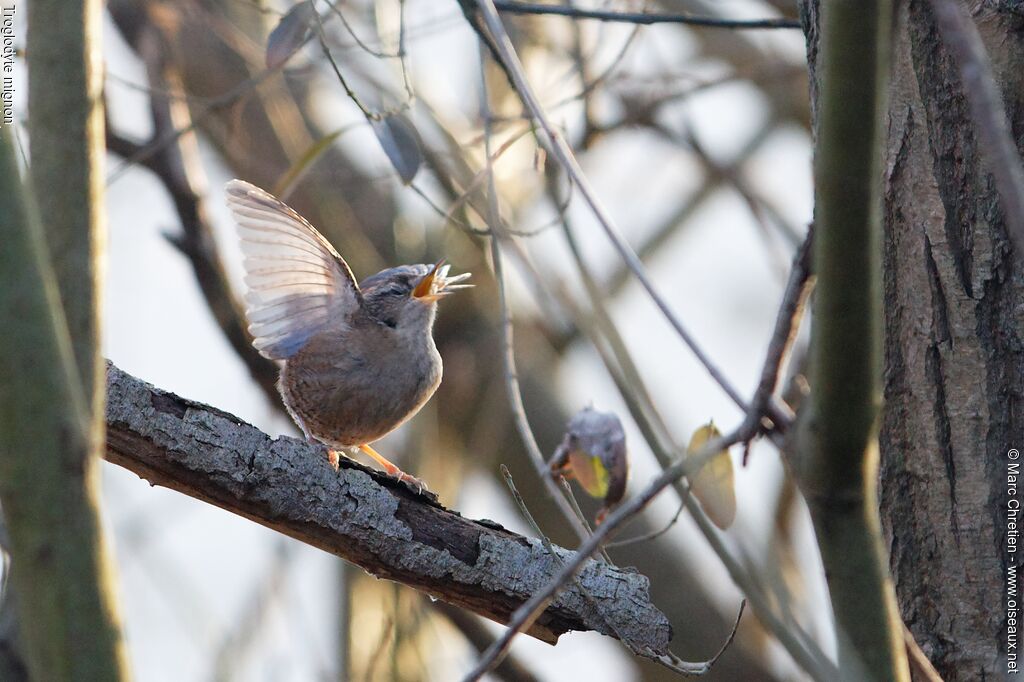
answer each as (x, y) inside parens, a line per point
(437, 284)
(425, 288)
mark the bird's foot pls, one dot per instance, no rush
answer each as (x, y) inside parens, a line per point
(393, 471)
(410, 480)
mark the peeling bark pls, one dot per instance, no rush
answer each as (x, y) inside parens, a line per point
(364, 517)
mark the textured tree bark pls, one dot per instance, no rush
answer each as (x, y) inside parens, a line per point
(954, 344)
(954, 383)
(364, 517)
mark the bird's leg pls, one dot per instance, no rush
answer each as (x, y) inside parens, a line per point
(393, 470)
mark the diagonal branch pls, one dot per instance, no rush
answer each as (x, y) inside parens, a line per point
(506, 55)
(363, 516)
(542, 598)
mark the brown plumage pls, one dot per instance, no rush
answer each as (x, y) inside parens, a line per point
(357, 360)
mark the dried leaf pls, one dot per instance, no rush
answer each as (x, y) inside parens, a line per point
(713, 485)
(402, 144)
(289, 34)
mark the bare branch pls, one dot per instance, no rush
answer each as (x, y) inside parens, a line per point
(787, 322)
(479, 637)
(536, 605)
(174, 159)
(362, 515)
(562, 152)
(642, 19)
(515, 396)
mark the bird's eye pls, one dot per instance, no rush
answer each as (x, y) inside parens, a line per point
(390, 321)
(396, 290)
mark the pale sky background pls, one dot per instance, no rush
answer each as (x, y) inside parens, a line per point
(188, 570)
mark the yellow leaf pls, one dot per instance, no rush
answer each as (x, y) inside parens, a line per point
(713, 484)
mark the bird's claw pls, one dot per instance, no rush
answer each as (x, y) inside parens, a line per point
(411, 480)
(334, 458)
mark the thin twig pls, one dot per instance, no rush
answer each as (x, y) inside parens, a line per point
(565, 156)
(521, 503)
(321, 37)
(786, 324)
(640, 18)
(479, 636)
(355, 36)
(567, 489)
(508, 350)
(528, 612)
(653, 535)
(803, 650)
(919, 662)
(400, 55)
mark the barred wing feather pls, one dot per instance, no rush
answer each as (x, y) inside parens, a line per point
(297, 284)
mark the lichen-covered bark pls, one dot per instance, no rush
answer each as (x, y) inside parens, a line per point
(364, 516)
(954, 383)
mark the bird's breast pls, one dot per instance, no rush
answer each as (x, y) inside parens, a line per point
(357, 387)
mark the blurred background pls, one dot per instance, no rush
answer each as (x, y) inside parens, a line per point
(697, 141)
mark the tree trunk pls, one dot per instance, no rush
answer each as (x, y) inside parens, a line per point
(954, 344)
(954, 349)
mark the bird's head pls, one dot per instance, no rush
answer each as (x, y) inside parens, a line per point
(405, 298)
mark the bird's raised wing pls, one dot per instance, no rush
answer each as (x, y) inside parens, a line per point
(297, 284)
